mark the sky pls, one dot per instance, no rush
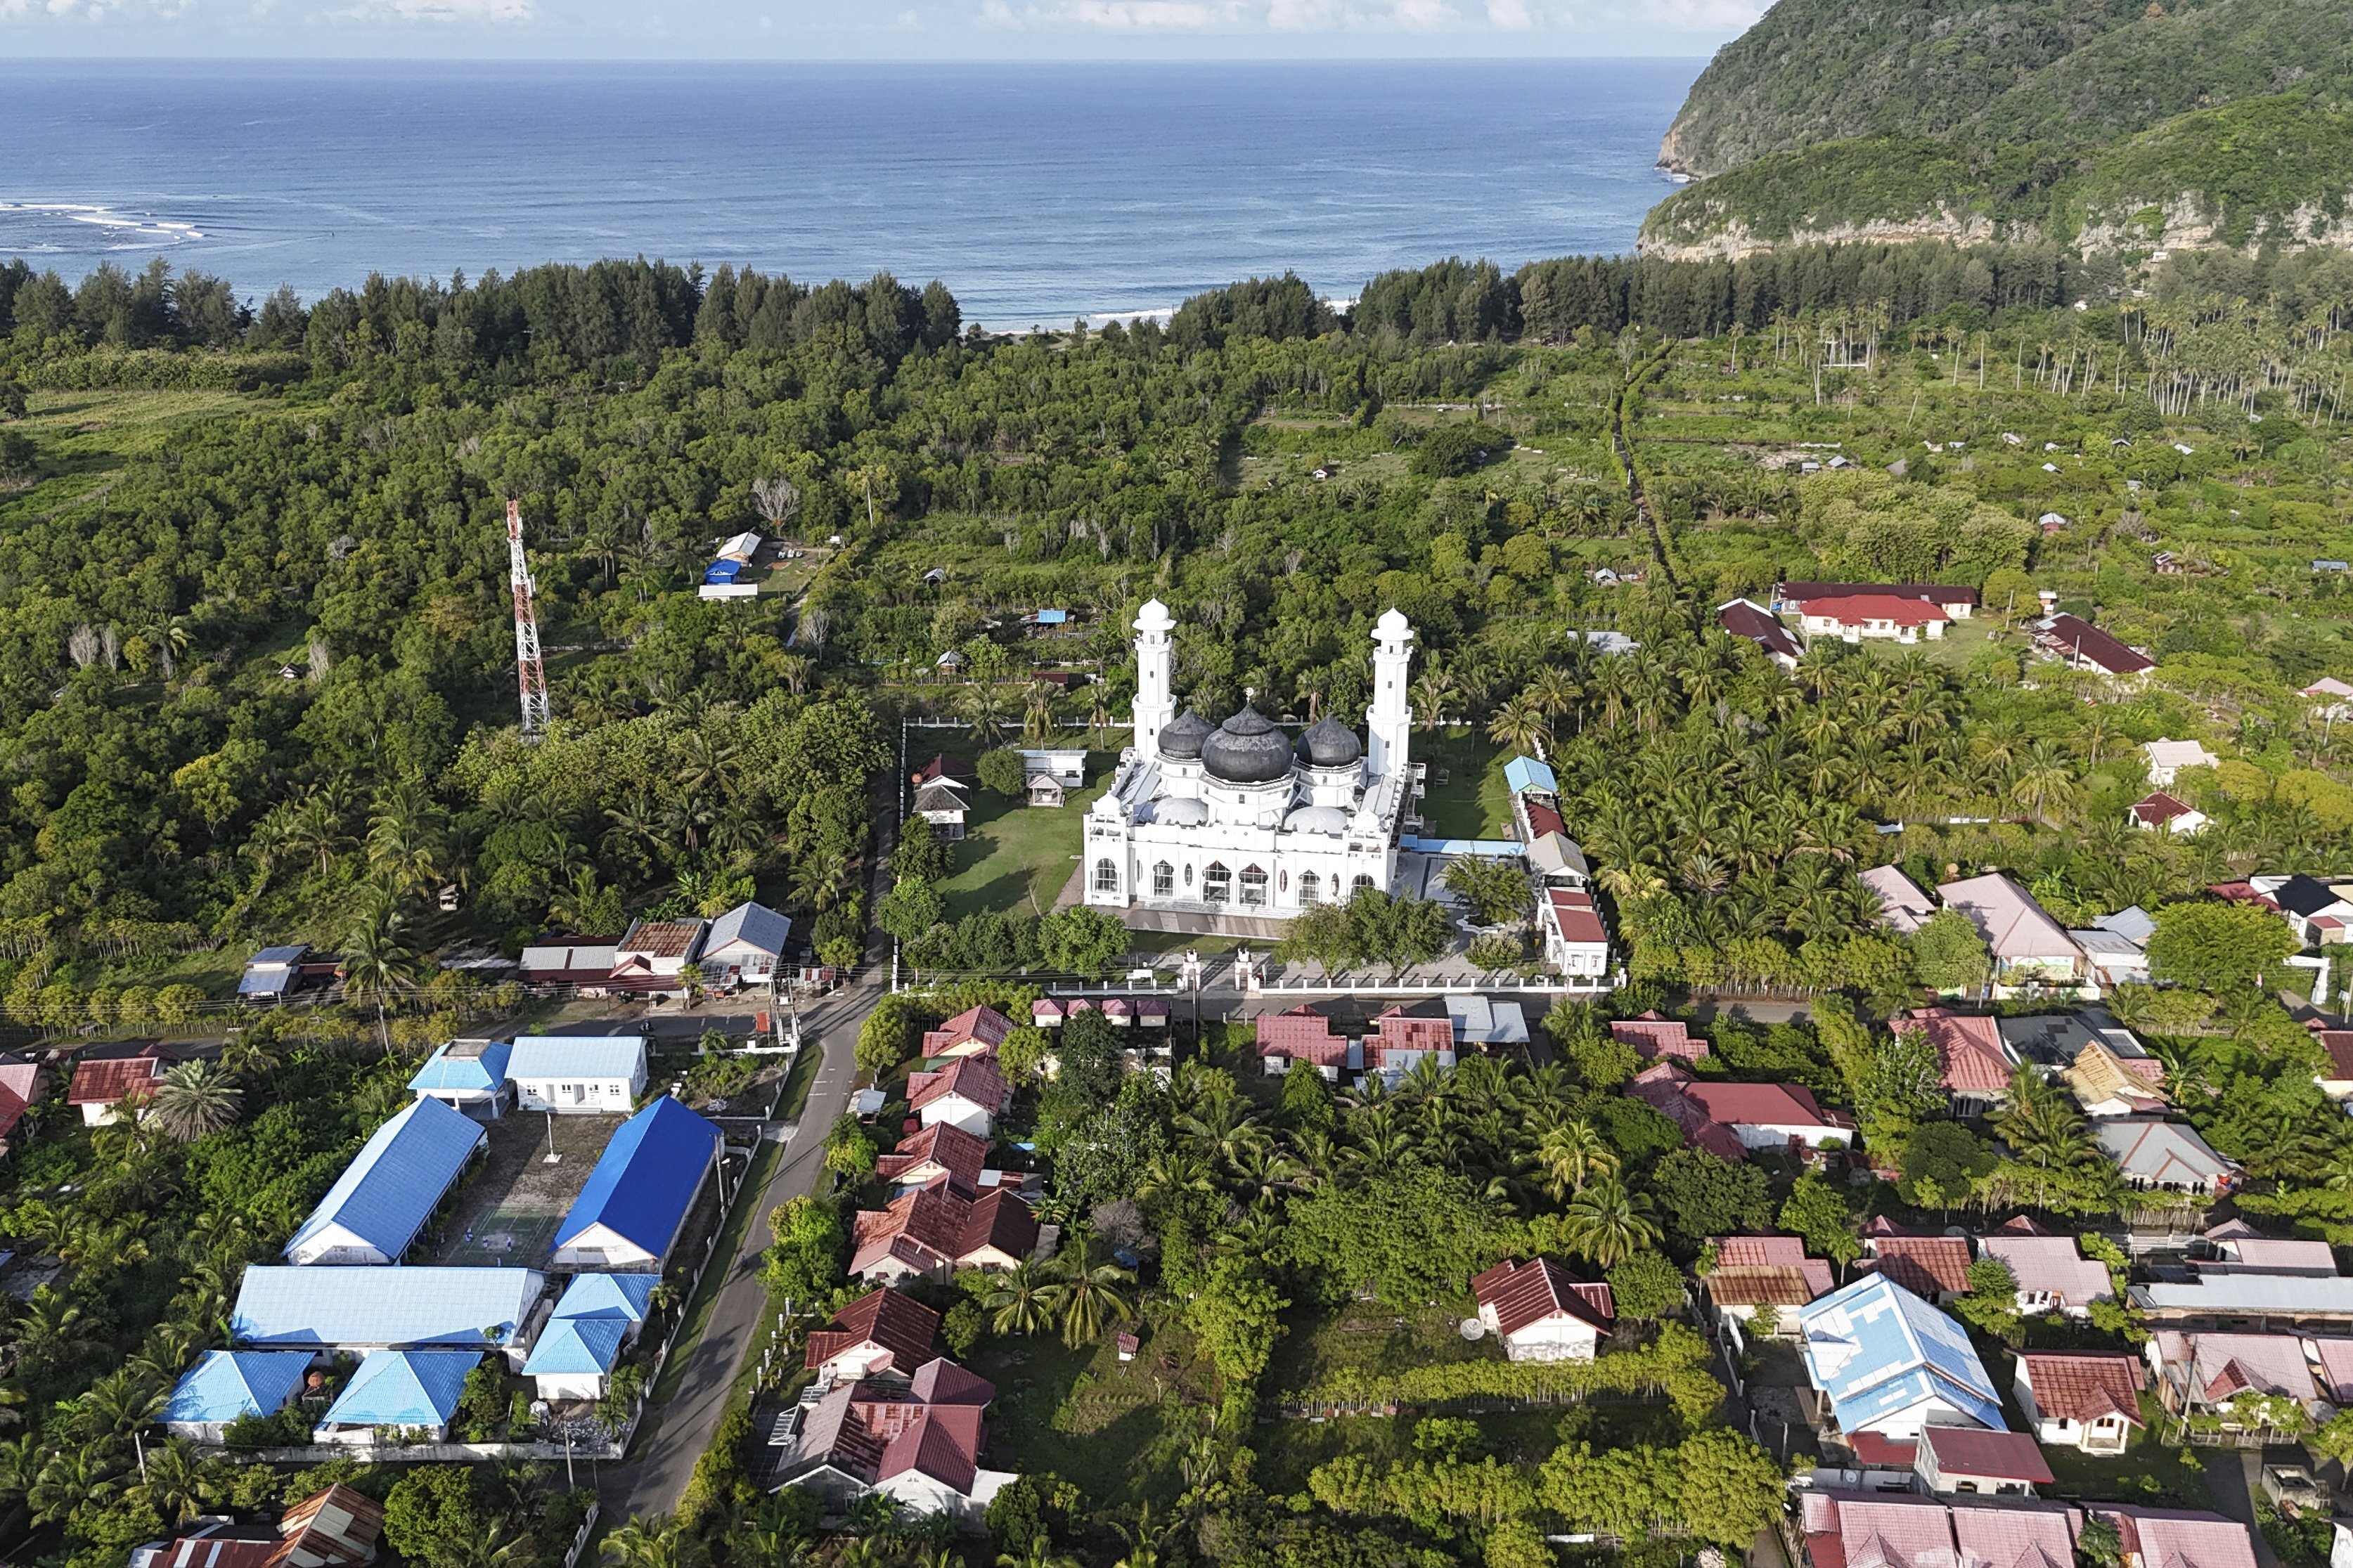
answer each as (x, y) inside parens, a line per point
(867, 30)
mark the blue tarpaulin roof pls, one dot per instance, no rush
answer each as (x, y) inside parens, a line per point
(1525, 773)
(402, 1388)
(478, 1066)
(647, 1178)
(386, 1192)
(538, 1058)
(723, 571)
(577, 1345)
(227, 1384)
(1876, 1349)
(1053, 617)
(623, 1298)
(281, 1305)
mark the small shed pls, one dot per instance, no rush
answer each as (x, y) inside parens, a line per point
(1046, 790)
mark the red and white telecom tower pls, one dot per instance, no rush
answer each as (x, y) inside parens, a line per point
(529, 673)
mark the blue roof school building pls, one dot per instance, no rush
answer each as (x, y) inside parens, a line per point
(467, 1075)
(596, 1320)
(594, 1074)
(638, 1198)
(225, 1385)
(385, 1194)
(401, 1389)
(1892, 1363)
(321, 1308)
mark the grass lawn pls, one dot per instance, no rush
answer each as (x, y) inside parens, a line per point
(82, 437)
(2146, 1472)
(1117, 1430)
(1014, 852)
(706, 1294)
(1317, 1345)
(1472, 802)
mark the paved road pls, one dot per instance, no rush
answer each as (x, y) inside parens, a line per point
(2232, 1480)
(652, 1479)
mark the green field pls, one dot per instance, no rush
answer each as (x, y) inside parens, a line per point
(1472, 802)
(1015, 855)
(85, 436)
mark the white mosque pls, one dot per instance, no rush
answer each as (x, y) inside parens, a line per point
(1238, 820)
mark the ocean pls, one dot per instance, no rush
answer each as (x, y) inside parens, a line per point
(1038, 192)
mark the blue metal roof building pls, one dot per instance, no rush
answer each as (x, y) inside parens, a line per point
(385, 1194)
(385, 1309)
(538, 1056)
(402, 1388)
(641, 1191)
(272, 972)
(465, 1072)
(1525, 773)
(624, 1298)
(574, 1348)
(1891, 1363)
(227, 1384)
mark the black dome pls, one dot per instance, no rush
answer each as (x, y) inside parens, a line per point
(1181, 738)
(1246, 749)
(1328, 743)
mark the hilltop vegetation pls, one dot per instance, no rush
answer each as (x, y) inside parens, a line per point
(2101, 126)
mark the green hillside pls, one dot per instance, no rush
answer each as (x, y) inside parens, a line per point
(2106, 124)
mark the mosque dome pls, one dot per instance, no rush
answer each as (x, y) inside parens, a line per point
(1179, 811)
(1181, 738)
(1247, 749)
(1325, 819)
(1328, 743)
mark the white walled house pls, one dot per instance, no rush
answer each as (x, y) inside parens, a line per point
(1540, 1314)
(582, 1074)
(745, 947)
(2088, 1400)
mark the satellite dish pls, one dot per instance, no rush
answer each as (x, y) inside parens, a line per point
(1473, 1328)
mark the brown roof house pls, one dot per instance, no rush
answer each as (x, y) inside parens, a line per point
(1973, 1059)
(975, 1032)
(1542, 1314)
(1934, 1268)
(916, 1442)
(108, 1077)
(1758, 1271)
(2080, 1399)
(23, 1081)
(968, 1093)
(940, 1153)
(884, 1330)
(934, 1232)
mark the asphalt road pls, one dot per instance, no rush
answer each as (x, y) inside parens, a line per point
(652, 1479)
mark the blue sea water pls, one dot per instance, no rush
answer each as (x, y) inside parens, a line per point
(1036, 192)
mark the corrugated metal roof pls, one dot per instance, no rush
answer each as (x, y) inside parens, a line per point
(402, 1388)
(623, 1298)
(279, 1304)
(388, 1192)
(754, 924)
(539, 1057)
(1522, 773)
(646, 1180)
(1876, 1349)
(464, 1067)
(227, 1384)
(577, 1345)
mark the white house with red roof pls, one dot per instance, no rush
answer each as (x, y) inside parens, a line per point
(106, 1078)
(1301, 1033)
(1576, 944)
(1540, 1314)
(883, 1331)
(2053, 1274)
(2157, 812)
(2178, 1538)
(915, 1440)
(932, 1233)
(2026, 942)
(1974, 1062)
(940, 1153)
(2088, 1400)
(1729, 1118)
(1854, 616)
(1654, 1038)
(1752, 1272)
(1971, 1461)
(1401, 1039)
(975, 1032)
(1747, 618)
(969, 1093)
(2336, 1080)
(1896, 1530)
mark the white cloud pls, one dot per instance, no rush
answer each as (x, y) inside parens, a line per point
(1423, 15)
(1513, 14)
(1307, 16)
(466, 11)
(1129, 15)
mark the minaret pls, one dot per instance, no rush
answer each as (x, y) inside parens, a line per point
(1155, 705)
(1388, 722)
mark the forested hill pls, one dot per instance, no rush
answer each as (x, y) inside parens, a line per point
(2024, 119)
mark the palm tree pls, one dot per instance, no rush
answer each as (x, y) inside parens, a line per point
(652, 1542)
(404, 841)
(1572, 1154)
(174, 1481)
(1606, 1223)
(1521, 725)
(197, 1098)
(377, 963)
(1089, 1300)
(1041, 1554)
(315, 829)
(1037, 722)
(1021, 1300)
(819, 879)
(980, 709)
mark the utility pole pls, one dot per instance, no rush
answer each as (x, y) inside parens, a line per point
(530, 674)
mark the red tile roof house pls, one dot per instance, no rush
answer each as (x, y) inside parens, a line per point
(103, 1083)
(968, 1093)
(917, 1443)
(2208, 1371)
(1653, 1038)
(940, 1153)
(2160, 810)
(2088, 1400)
(1854, 616)
(933, 1233)
(1966, 1461)
(1974, 1060)
(1542, 1314)
(976, 1031)
(1892, 1529)
(1728, 1119)
(2053, 1276)
(23, 1081)
(1933, 1267)
(883, 1331)
(1753, 1271)
(2336, 1081)
(1576, 942)
(1303, 1035)
(1400, 1040)
(2178, 1538)
(2241, 1248)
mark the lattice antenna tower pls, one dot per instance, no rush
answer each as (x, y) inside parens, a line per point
(530, 674)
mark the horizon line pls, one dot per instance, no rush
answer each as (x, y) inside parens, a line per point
(503, 62)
